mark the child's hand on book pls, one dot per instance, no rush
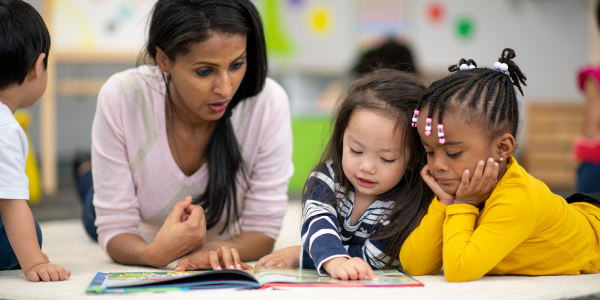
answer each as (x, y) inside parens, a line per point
(476, 190)
(443, 197)
(349, 269)
(222, 258)
(47, 272)
(286, 257)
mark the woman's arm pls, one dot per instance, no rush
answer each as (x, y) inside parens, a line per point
(591, 120)
(115, 199)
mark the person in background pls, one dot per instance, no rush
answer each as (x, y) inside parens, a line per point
(587, 147)
(24, 47)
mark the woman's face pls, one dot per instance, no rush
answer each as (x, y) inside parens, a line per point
(203, 81)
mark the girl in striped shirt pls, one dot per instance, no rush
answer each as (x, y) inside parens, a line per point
(365, 196)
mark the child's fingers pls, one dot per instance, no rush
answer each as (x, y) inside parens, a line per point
(477, 174)
(464, 181)
(371, 274)
(361, 272)
(43, 275)
(430, 181)
(33, 276)
(53, 273)
(342, 274)
(352, 273)
(487, 173)
(494, 177)
(62, 274)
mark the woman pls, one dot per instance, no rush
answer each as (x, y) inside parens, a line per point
(204, 122)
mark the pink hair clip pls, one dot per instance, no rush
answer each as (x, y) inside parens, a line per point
(415, 118)
(441, 133)
(427, 126)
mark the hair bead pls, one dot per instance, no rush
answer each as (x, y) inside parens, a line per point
(440, 128)
(428, 126)
(464, 67)
(472, 67)
(415, 118)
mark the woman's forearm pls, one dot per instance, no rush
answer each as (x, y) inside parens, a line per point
(131, 249)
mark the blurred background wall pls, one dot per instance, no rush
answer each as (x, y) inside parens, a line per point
(314, 46)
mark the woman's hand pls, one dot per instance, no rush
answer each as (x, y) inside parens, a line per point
(183, 230)
(478, 189)
(212, 257)
(349, 269)
(443, 197)
(47, 272)
(287, 257)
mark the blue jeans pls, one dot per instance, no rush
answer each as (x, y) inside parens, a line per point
(8, 259)
(588, 178)
(85, 187)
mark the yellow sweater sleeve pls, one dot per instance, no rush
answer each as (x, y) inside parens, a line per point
(469, 251)
(421, 253)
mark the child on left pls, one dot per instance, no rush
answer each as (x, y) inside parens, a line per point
(24, 47)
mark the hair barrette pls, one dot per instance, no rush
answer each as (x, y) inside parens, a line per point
(440, 128)
(415, 118)
(428, 126)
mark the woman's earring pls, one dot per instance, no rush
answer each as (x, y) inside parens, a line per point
(501, 158)
(166, 76)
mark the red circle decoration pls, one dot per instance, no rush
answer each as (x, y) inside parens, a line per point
(435, 12)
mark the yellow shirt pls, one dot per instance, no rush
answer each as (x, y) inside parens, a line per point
(523, 229)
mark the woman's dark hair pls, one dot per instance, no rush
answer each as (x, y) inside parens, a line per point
(23, 37)
(483, 95)
(175, 26)
(393, 94)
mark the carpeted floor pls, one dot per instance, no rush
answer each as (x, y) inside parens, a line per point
(66, 244)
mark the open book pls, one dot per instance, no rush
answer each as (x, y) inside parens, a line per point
(259, 277)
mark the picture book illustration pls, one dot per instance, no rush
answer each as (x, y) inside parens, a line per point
(260, 277)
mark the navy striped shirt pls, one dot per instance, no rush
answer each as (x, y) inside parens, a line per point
(322, 236)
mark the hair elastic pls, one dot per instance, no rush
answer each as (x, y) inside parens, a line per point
(415, 118)
(502, 67)
(427, 126)
(440, 128)
(465, 67)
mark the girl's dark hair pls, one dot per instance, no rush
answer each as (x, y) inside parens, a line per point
(394, 94)
(175, 26)
(484, 95)
(23, 37)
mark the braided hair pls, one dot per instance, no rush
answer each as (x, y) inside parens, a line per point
(484, 93)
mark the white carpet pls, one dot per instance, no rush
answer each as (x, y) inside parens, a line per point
(66, 244)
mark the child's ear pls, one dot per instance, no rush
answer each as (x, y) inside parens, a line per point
(39, 67)
(162, 60)
(505, 146)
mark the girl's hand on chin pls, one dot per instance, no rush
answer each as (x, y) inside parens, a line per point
(478, 189)
(443, 197)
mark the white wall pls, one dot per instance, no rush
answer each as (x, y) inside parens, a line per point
(550, 38)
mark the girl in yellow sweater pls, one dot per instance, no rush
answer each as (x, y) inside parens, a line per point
(490, 216)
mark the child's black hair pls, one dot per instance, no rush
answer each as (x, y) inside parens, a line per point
(23, 37)
(392, 93)
(487, 95)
